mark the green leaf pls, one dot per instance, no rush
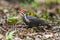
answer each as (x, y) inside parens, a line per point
(58, 21)
(34, 28)
(35, 4)
(10, 35)
(12, 20)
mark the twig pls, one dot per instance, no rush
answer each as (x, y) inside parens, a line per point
(2, 29)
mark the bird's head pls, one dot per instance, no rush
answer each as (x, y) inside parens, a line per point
(23, 12)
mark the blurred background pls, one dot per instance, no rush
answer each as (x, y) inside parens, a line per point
(43, 8)
(48, 10)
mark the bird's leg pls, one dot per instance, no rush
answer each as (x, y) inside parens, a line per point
(40, 28)
(48, 27)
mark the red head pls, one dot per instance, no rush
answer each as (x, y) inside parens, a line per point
(22, 12)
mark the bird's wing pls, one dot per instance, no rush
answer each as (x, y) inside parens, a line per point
(35, 19)
(32, 18)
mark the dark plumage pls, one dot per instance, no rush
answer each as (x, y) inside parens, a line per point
(35, 22)
(32, 21)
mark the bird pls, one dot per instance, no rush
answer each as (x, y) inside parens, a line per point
(32, 21)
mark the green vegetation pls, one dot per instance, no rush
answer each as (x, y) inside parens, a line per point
(12, 20)
(36, 9)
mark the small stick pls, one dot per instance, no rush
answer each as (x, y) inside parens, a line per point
(2, 29)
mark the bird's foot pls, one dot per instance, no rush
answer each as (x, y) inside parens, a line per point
(41, 29)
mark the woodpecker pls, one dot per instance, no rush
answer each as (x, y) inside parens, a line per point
(32, 21)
